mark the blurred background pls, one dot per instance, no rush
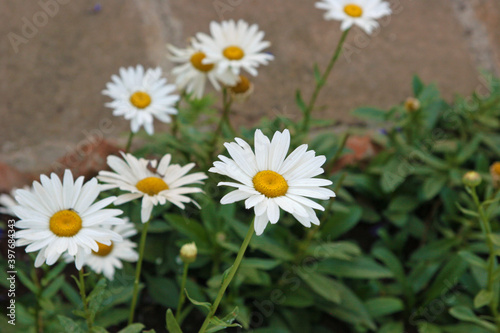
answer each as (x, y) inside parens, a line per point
(57, 56)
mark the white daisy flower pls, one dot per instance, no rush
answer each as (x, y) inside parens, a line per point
(155, 187)
(362, 13)
(58, 217)
(268, 181)
(8, 201)
(192, 74)
(110, 257)
(141, 96)
(234, 46)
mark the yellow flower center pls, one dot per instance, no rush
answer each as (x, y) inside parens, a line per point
(233, 53)
(270, 183)
(196, 61)
(242, 86)
(104, 249)
(151, 185)
(65, 223)
(140, 99)
(353, 10)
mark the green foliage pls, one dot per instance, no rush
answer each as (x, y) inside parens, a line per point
(400, 249)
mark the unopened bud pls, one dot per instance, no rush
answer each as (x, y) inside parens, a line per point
(189, 252)
(472, 179)
(412, 104)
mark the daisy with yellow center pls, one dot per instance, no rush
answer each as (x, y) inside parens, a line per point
(62, 217)
(192, 73)
(109, 257)
(362, 13)
(166, 183)
(140, 96)
(268, 180)
(234, 46)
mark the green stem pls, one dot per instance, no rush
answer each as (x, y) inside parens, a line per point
(229, 277)
(485, 223)
(226, 108)
(84, 299)
(175, 120)
(320, 83)
(129, 142)
(138, 271)
(38, 317)
(182, 295)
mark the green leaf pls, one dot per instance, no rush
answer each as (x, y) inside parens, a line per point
(337, 250)
(392, 262)
(495, 238)
(132, 328)
(257, 263)
(70, 325)
(466, 314)
(189, 227)
(418, 85)
(321, 284)
(99, 329)
(483, 298)
(472, 259)
(217, 324)
(317, 75)
(383, 306)
(370, 113)
(163, 291)
(470, 148)
(54, 272)
(205, 305)
(96, 297)
(432, 186)
(358, 268)
(172, 325)
(26, 281)
(300, 102)
(447, 278)
(350, 309)
(341, 221)
(426, 327)
(54, 287)
(394, 327)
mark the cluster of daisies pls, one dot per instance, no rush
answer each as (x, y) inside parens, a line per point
(141, 95)
(62, 218)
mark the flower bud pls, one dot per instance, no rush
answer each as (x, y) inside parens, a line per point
(412, 104)
(242, 90)
(472, 179)
(188, 252)
(495, 174)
